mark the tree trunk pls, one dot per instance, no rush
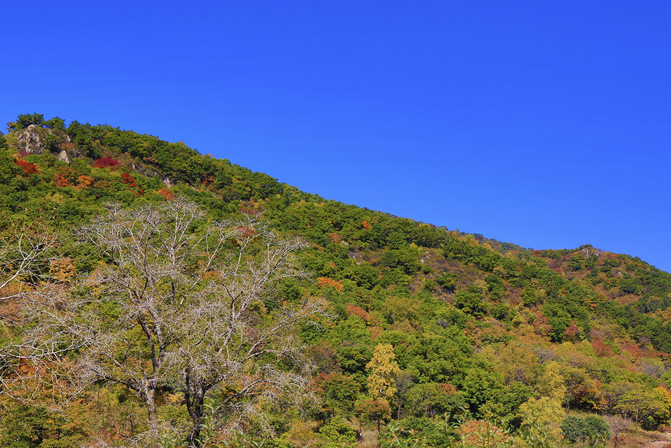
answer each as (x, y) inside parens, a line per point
(150, 400)
(194, 395)
(194, 437)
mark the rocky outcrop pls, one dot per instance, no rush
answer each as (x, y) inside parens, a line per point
(63, 157)
(30, 140)
(36, 140)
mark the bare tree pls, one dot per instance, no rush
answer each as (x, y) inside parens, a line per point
(21, 254)
(24, 255)
(617, 426)
(185, 305)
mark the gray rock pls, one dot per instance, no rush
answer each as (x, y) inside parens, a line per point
(63, 157)
(30, 140)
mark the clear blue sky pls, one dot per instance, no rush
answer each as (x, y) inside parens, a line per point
(546, 124)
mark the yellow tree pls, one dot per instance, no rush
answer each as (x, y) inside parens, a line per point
(383, 371)
(542, 416)
(551, 382)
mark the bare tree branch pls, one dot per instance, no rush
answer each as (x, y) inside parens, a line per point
(20, 255)
(182, 305)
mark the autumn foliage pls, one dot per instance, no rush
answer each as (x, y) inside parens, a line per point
(27, 167)
(166, 193)
(85, 182)
(478, 433)
(126, 178)
(424, 326)
(325, 281)
(62, 270)
(354, 310)
(105, 162)
(61, 181)
(600, 349)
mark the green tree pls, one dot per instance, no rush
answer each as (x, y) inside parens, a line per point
(3, 142)
(25, 120)
(339, 392)
(55, 123)
(471, 302)
(337, 434)
(406, 259)
(26, 427)
(592, 430)
(644, 406)
(402, 309)
(433, 399)
(599, 429)
(480, 386)
(447, 281)
(576, 261)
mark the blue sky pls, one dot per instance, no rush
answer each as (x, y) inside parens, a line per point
(545, 124)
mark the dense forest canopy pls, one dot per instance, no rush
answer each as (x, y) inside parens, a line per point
(154, 296)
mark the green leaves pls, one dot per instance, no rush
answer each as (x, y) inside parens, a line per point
(592, 430)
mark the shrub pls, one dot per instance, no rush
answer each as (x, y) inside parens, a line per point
(105, 162)
(27, 167)
(592, 430)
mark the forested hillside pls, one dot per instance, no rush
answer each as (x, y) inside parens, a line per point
(153, 296)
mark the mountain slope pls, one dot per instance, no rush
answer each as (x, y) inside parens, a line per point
(479, 330)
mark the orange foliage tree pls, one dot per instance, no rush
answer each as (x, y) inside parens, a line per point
(325, 281)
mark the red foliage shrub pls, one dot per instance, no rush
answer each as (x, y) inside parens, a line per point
(375, 332)
(541, 325)
(27, 167)
(105, 162)
(481, 433)
(601, 349)
(126, 178)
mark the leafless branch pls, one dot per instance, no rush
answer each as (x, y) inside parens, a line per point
(182, 304)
